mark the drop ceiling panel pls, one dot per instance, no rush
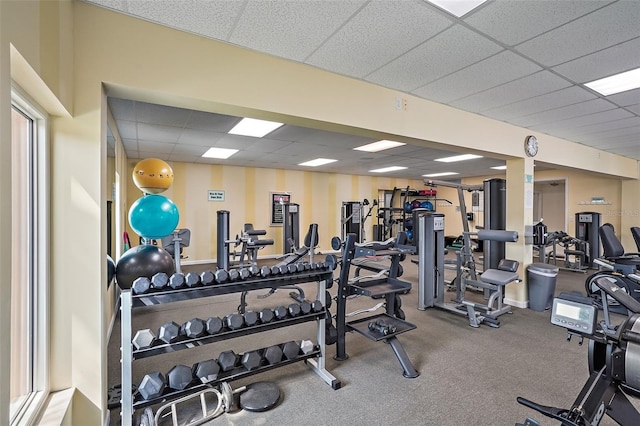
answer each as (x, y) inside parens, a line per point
(267, 145)
(613, 24)
(626, 131)
(214, 122)
(152, 153)
(235, 142)
(388, 25)
(154, 132)
(127, 129)
(512, 22)
(192, 150)
(200, 137)
(621, 142)
(122, 109)
(634, 109)
(585, 120)
(603, 127)
(604, 63)
(570, 111)
(291, 29)
(160, 114)
(527, 87)
(130, 145)
(153, 146)
(491, 72)
(564, 97)
(628, 98)
(211, 19)
(433, 59)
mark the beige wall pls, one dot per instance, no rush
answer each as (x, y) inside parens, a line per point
(66, 51)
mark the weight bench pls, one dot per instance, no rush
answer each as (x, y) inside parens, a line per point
(494, 281)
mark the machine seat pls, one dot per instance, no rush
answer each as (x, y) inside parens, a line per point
(498, 277)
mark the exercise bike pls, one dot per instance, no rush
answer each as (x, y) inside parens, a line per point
(614, 359)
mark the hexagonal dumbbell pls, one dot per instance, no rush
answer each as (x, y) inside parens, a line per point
(280, 312)
(193, 328)
(294, 309)
(306, 346)
(169, 332)
(254, 270)
(227, 360)
(176, 281)
(265, 271)
(266, 315)
(316, 306)
(214, 325)
(305, 307)
(152, 385)
(251, 360)
(143, 339)
(273, 354)
(234, 275)
(206, 371)
(244, 273)
(207, 278)
(192, 279)
(291, 268)
(290, 350)
(234, 321)
(159, 280)
(141, 285)
(250, 318)
(221, 276)
(179, 377)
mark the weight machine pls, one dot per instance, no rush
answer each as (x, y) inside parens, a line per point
(354, 218)
(248, 240)
(174, 243)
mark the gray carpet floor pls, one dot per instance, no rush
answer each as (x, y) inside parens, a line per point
(467, 375)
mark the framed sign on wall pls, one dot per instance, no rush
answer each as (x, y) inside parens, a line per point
(278, 200)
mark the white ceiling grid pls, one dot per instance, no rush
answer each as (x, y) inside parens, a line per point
(523, 62)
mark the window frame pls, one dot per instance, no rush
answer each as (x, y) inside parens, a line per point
(39, 268)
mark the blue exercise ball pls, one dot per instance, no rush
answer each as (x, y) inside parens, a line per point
(409, 234)
(144, 260)
(408, 207)
(427, 205)
(153, 216)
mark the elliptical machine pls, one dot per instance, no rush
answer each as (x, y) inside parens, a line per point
(614, 359)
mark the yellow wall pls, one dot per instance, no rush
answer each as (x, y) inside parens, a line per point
(67, 52)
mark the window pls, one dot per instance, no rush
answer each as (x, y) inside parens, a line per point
(29, 259)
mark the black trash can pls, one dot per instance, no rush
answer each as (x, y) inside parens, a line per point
(542, 285)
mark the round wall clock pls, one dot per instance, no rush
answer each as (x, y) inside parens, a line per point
(531, 146)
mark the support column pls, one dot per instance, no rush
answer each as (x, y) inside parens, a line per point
(519, 214)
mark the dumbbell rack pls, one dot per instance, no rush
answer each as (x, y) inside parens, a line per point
(388, 287)
(130, 301)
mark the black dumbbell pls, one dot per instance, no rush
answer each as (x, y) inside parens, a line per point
(251, 360)
(290, 350)
(141, 285)
(179, 377)
(330, 331)
(152, 385)
(327, 299)
(192, 279)
(234, 321)
(221, 276)
(250, 318)
(143, 339)
(227, 360)
(234, 275)
(294, 309)
(381, 327)
(316, 306)
(169, 332)
(176, 281)
(305, 307)
(275, 270)
(273, 354)
(266, 315)
(160, 280)
(280, 312)
(207, 278)
(214, 325)
(206, 371)
(193, 328)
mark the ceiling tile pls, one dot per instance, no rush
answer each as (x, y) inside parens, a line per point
(160, 114)
(208, 18)
(291, 29)
(563, 113)
(130, 144)
(615, 59)
(127, 129)
(512, 22)
(607, 126)
(155, 132)
(523, 88)
(628, 98)
(625, 131)
(153, 146)
(613, 24)
(200, 137)
(263, 145)
(491, 72)
(152, 154)
(201, 120)
(388, 25)
(560, 98)
(433, 59)
(192, 150)
(122, 109)
(634, 108)
(235, 142)
(584, 120)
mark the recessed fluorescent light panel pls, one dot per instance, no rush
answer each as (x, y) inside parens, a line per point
(500, 168)
(222, 153)
(379, 146)
(458, 158)
(458, 8)
(317, 162)
(387, 169)
(253, 127)
(440, 174)
(616, 83)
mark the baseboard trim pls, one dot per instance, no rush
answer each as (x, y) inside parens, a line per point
(516, 303)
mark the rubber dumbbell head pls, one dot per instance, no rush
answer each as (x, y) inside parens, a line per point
(250, 318)
(273, 354)
(193, 328)
(141, 285)
(291, 268)
(152, 385)
(251, 360)
(290, 350)
(234, 321)
(169, 332)
(265, 271)
(294, 309)
(227, 360)
(306, 346)
(266, 315)
(192, 279)
(221, 276)
(179, 377)
(176, 281)
(305, 307)
(206, 371)
(316, 306)
(143, 339)
(280, 312)
(214, 325)
(244, 273)
(207, 278)
(254, 270)
(160, 280)
(234, 275)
